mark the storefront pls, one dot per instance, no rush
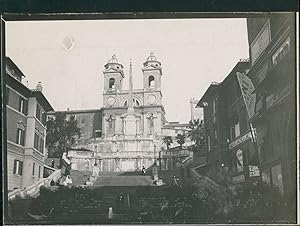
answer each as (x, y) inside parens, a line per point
(273, 175)
(244, 161)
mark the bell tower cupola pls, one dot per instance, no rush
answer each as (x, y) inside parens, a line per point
(113, 75)
(152, 72)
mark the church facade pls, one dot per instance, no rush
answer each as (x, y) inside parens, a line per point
(129, 135)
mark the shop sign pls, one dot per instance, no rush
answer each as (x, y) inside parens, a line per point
(247, 89)
(241, 140)
(253, 171)
(238, 179)
(261, 41)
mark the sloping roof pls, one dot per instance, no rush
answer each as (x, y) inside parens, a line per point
(42, 100)
(9, 62)
(211, 88)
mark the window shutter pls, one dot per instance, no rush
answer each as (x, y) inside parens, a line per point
(33, 168)
(23, 137)
(21, 168)
(36, 141)
(41, 146)
(44, 115)
(38, 112)
(25, 107)
(17, 136)
(15, 166)
(20, 101)
(7, 95)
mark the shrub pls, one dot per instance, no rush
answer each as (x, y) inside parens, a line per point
(256, 202)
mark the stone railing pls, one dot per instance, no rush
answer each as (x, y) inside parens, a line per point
(33, 190)
(205, 181)
(187, 161)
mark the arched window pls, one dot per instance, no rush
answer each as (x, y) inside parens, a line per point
(135, 103)
(151, 81)
(112, 83)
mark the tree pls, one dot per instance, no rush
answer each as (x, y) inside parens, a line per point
(180, 138)
(61, 134)
(167, 140)
(197, 133)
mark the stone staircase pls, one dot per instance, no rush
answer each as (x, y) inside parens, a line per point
(79, 177)
(124, 181)
(103, 194)
(95, 211)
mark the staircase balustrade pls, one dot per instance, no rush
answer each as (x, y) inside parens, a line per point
(33, 190)
(203, 179)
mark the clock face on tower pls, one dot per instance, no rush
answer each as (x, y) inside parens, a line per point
(110, 101)
(151, 99)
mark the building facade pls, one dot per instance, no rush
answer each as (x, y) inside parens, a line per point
(242, 160)
(196, 112)
(272, 51)
(225, 124)
(125, 134)
(26, 129)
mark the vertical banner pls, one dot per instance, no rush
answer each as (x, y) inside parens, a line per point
(247, 89)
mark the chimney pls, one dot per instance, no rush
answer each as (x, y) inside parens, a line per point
(39, 87)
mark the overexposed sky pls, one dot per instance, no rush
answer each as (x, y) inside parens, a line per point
(193, 53)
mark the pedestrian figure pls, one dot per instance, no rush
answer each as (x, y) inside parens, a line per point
(175, 181)
(52, 163)
(67, 170)
(52, 183)
(143, 170)
(68, 181)
(95, 170)
(165, 210)
(110, 213)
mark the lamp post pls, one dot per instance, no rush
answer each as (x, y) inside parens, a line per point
(159, 159)
(154, 152)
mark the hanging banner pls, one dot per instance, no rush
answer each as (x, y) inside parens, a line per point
(247, 89)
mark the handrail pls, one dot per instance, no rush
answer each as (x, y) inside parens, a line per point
(49, 167)
(34, 189)
(198, 176)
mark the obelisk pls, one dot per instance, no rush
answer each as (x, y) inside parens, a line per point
(130, 120)
(130, 110)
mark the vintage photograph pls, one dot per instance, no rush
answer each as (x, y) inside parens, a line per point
(151, 121)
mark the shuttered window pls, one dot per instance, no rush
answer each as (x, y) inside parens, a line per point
(20, 139)
(18, 167)
(41, 149)
(7, 95)
(33, 168)
(36, 141)
(38, 112)
(23, 105)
